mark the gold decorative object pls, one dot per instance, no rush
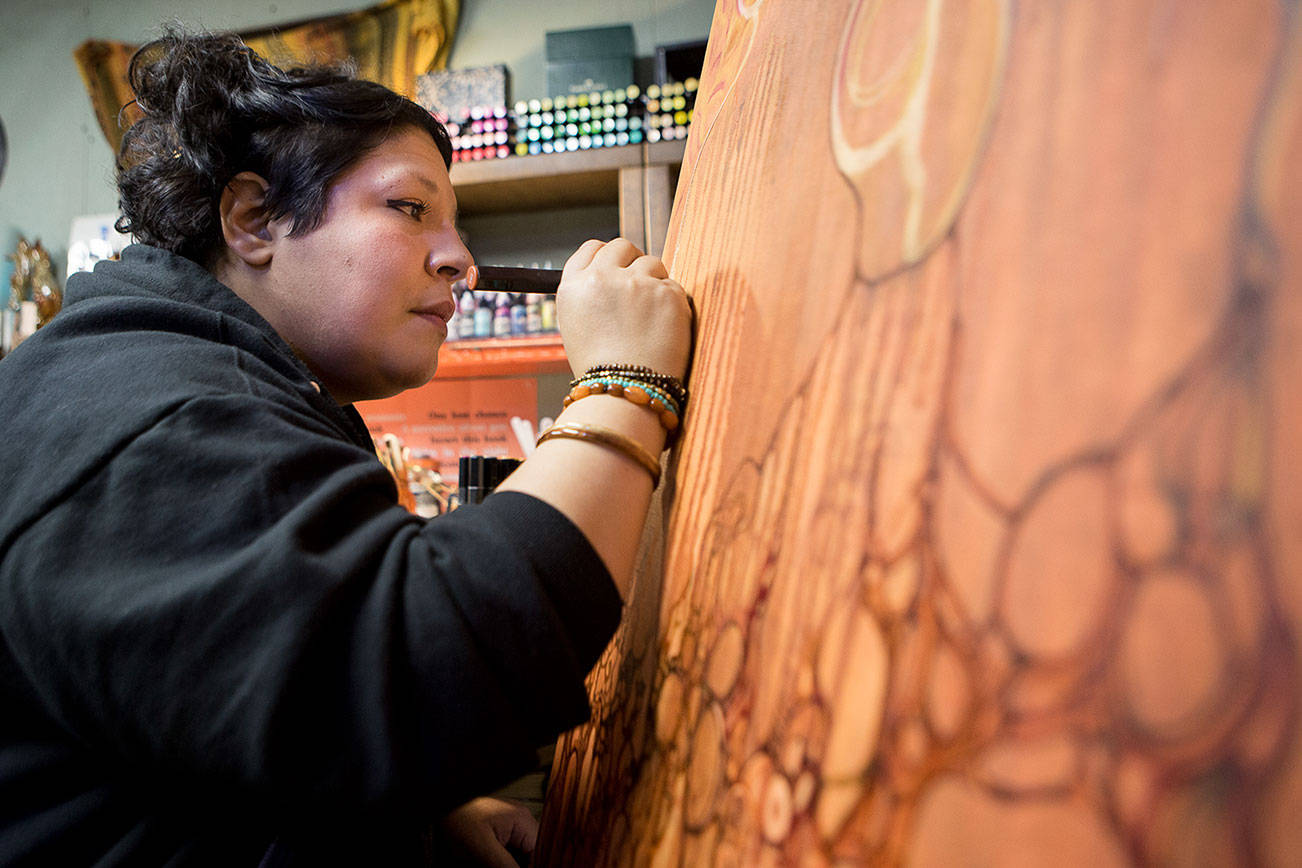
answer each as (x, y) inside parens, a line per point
(22, 271)
(33, 279)
(392, 42)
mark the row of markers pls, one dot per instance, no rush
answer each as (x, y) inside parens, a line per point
(578, 122)
(502, 315)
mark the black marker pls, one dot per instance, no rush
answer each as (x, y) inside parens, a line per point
(470, 478)
(501, 278)
(478, 475)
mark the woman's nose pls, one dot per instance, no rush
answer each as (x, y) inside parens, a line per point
(450, 259)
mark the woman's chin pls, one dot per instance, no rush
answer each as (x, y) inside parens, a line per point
(423, 376)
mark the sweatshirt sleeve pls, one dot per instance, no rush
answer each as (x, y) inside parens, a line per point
(235, 599)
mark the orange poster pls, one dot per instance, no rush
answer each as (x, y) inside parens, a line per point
(445, 419)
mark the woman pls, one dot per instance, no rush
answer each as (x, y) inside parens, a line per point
(224, 643)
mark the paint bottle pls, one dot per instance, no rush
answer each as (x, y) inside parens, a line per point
(519, 324)
(532, 315)
(466, 315)
(483, 315)
(547, 313)
(502, 316)
(454, 326)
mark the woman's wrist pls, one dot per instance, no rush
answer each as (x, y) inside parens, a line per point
(634, 421)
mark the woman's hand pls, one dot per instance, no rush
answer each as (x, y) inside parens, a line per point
(614, 307)
(617, 306)
(481, 830)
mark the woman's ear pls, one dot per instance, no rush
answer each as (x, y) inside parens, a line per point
(249, 234)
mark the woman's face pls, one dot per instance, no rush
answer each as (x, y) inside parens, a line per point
(364, 298)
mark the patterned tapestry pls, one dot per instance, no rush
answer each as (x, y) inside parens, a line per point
(983, 542)
(392, 43)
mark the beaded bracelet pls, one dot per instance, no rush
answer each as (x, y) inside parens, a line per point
(642, 394)
(606, 437)
(663, 394)
(642, 374)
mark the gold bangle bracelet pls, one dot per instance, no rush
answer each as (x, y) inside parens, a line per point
(606, 437)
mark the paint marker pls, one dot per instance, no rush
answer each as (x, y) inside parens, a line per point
(478, 475)
(501, 278)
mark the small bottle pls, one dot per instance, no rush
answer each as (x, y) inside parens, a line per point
(502, 316)
(532, 316)
(466, 317)
(454, 321)
(519, 323)
(547, 313)
(483, 315)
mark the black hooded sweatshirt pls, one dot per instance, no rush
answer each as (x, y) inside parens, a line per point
(217, 627)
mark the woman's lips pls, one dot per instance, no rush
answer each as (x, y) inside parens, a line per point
(434, 318)
(441, 311)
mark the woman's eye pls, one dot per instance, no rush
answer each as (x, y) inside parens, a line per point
(412, 207)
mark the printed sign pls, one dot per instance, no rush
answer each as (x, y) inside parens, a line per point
(445, 419)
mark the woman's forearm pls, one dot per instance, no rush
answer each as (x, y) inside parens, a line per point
(603, 491)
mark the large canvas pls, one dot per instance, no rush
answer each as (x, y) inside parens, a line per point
(983, 544)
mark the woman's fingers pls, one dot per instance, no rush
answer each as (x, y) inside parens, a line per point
(582, 257)
(622, 307)
(651, 266)
(483, 828)
(617, 253)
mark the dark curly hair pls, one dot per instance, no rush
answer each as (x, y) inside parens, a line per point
(213, 108)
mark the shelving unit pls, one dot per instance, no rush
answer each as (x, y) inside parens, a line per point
(544, 181)
(503, 357)
(639, 178)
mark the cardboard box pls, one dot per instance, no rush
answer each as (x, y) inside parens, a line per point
(589, 59)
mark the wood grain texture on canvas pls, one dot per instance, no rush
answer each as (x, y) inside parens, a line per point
(983, 544)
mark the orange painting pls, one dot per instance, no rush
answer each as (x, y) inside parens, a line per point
(983, 541)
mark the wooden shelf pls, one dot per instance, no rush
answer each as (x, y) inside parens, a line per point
(637, 178)
(567, 180)
(502, 357)
(664, 153)
(571, 179)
